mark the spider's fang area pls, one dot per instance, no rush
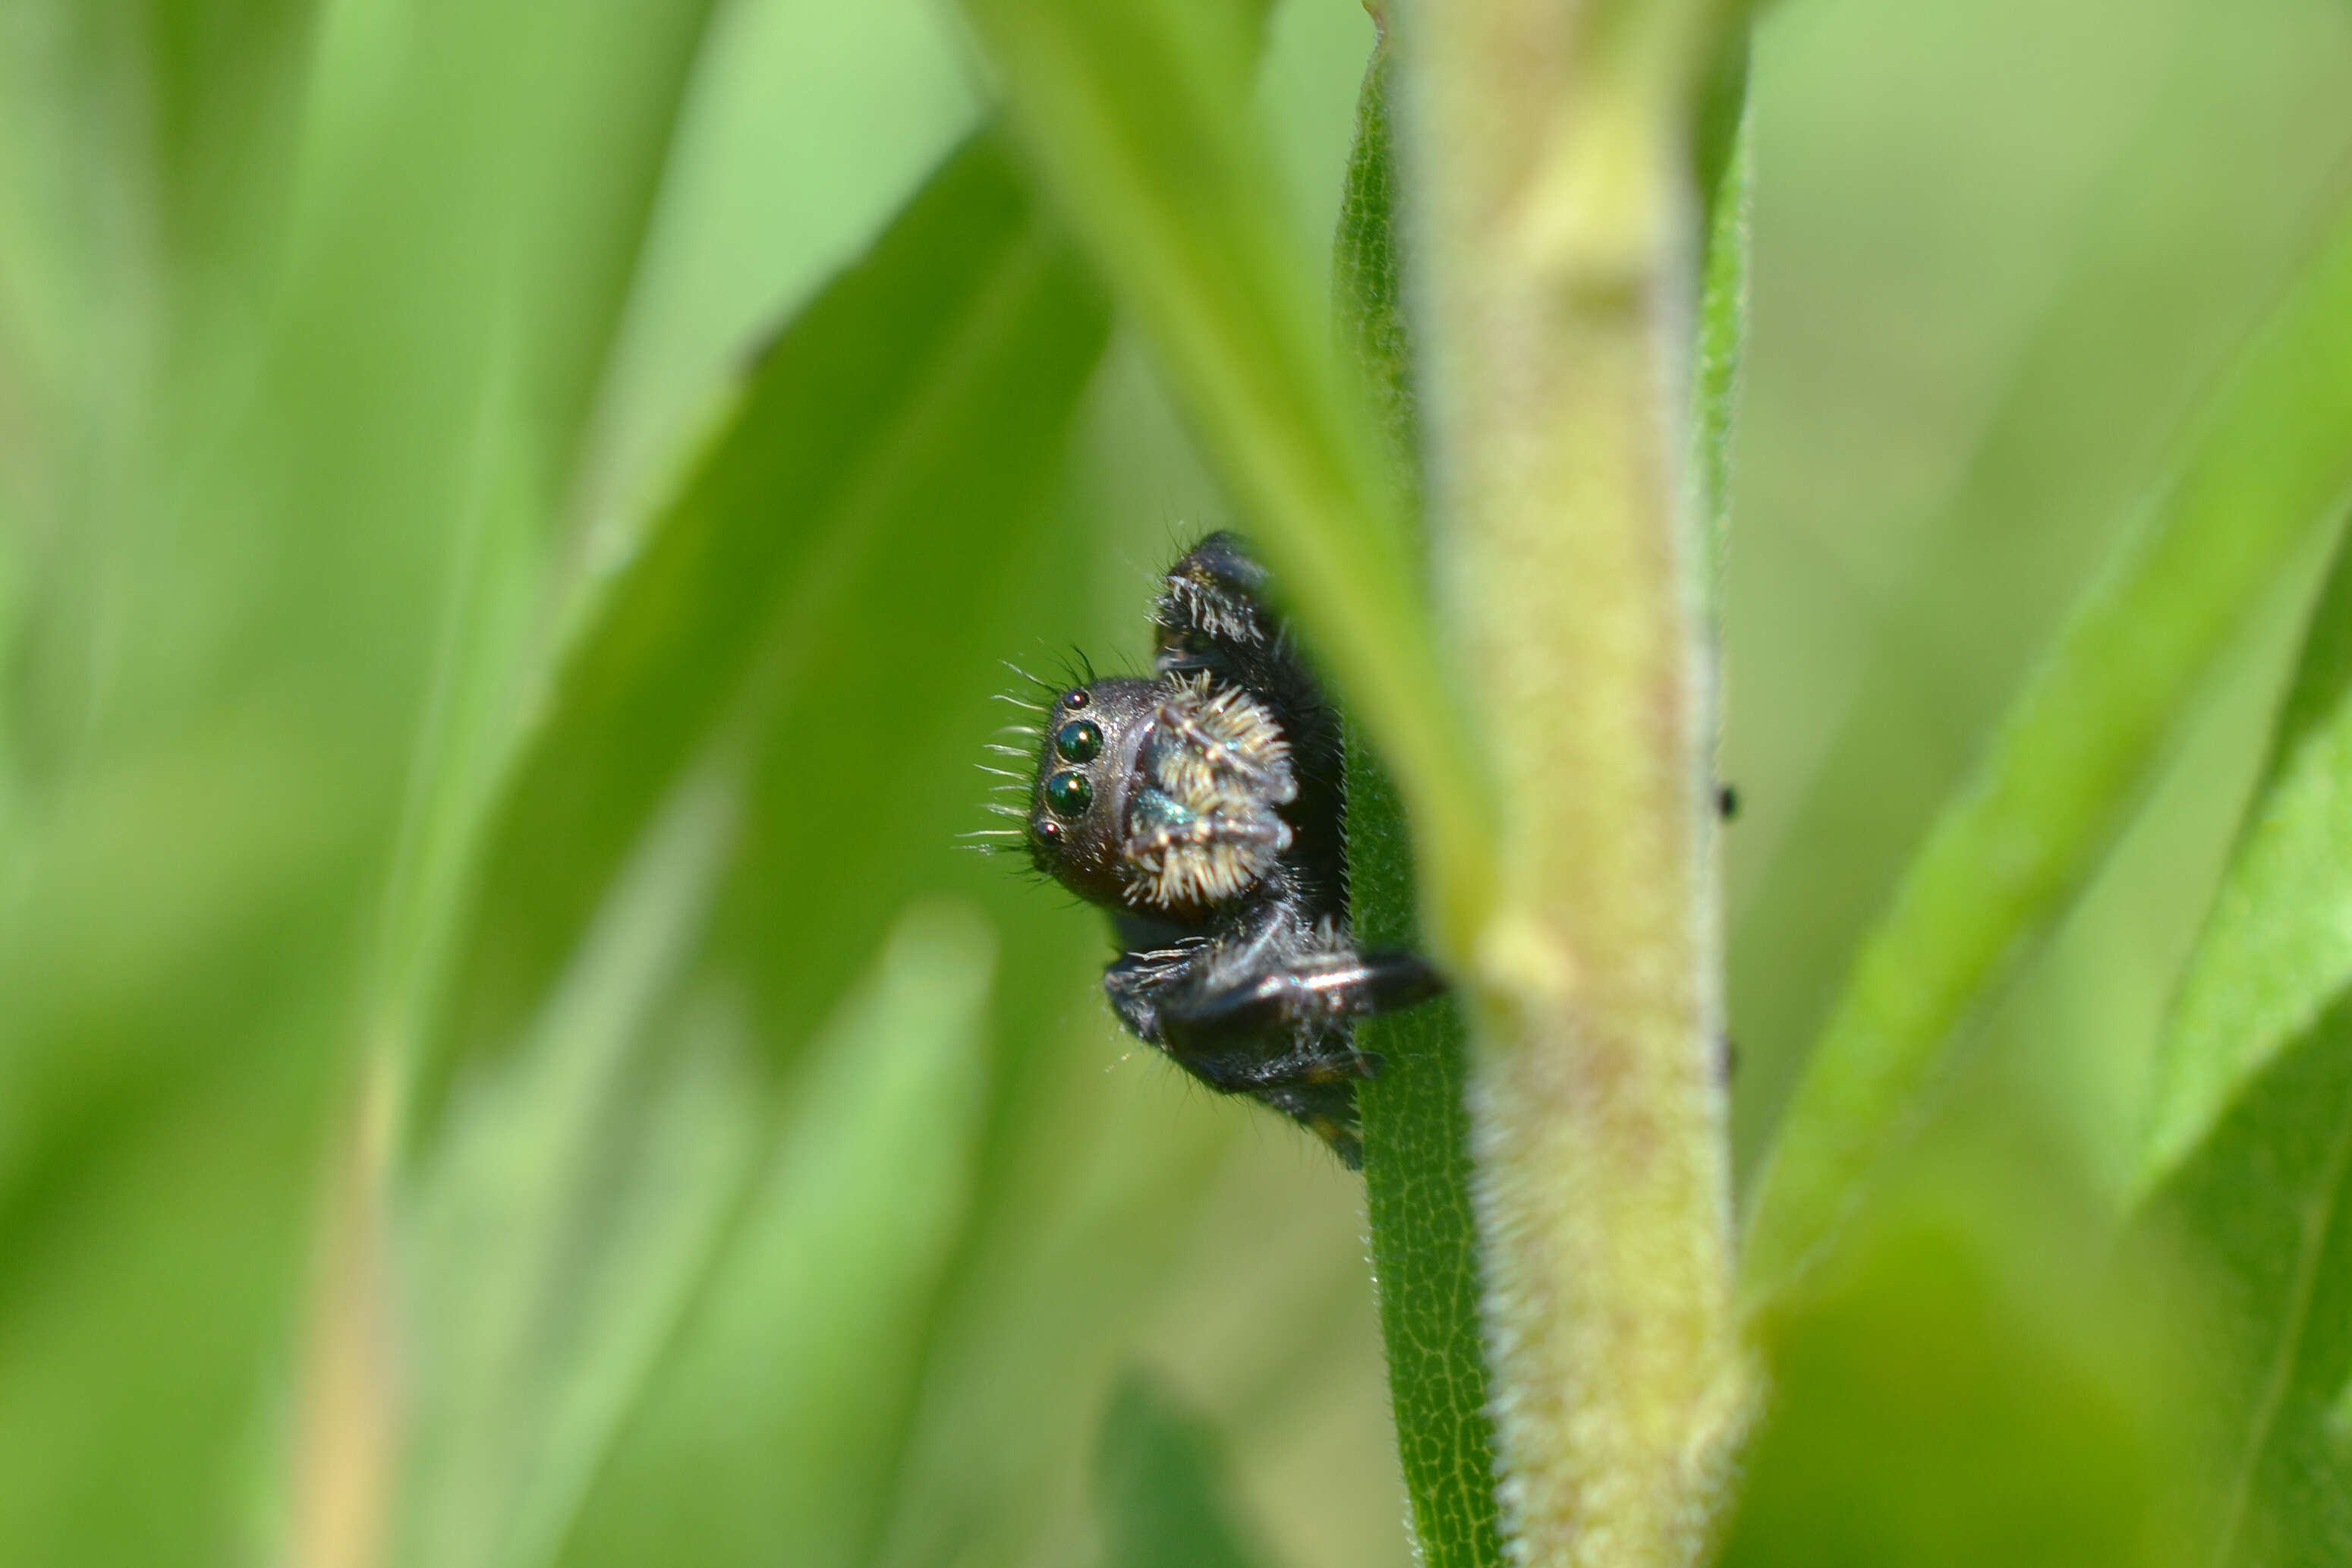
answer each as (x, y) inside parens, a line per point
(1204, 829)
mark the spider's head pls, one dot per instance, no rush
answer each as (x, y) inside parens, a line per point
(1085, 777)
(1160, 796)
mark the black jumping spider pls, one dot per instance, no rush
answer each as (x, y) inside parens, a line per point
(1204, 808)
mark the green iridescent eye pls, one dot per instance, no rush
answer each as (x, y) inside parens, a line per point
(1068, 795)
(1078, 739)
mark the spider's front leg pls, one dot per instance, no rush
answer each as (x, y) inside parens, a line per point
(1279, 1034)
(1268, 1007)
(1304, 1003)
(1211, 613)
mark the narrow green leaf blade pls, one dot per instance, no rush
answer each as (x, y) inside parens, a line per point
(1722, 312)
(772, 1430)
(2261, 1206)
(556, 1233)
(884, 456)
(1417, 1172)
(2247, 1164)
(308, 378)
(1416, 1125)
(1962, 539)
(2271, 463)
(2276, 952)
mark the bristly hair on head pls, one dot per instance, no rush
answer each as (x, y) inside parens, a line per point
(1037, 700)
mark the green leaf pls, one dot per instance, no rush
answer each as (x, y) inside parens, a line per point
(1916, 578)
(1368, 279)
(773, 1425)
(2246, 1166)
(885, 461)
(1160, 1483)
(844, 562)
(1415, 1122)
(2259, 1207)
(2276, 952)
(557, 1230)
(2270, 463)
(327, 410)
(1728, 179)
(811, 126)
(1137, 115)
(1417, 1174)
(1949, 1392)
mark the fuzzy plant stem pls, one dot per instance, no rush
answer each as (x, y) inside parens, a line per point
(1552, 210)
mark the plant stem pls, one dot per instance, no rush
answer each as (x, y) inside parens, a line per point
(1546, 145)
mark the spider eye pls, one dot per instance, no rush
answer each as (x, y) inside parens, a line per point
(1075, 697)
(1078, 739)
(1068, 795)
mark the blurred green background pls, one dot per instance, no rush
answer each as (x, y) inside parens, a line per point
(502, 1053)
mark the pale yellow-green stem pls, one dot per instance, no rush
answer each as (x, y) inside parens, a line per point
(347, 1432)
(1550, 204)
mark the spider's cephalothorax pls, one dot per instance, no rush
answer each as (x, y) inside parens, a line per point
(1204, 808)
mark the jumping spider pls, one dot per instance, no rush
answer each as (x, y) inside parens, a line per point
(1205, 809)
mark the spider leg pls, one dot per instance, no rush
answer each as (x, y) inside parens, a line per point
(1250, 1036)
(1304, 999)
(1230, 1015)
(1210, 607)
(1271, 1007)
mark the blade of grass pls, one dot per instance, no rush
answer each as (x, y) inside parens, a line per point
(837, 563)
(1137, 115)
(233, 634)
(2270, 461)
(884, 454)
(843, 561)
(772, 1426)
(566, 203)
(552, 1236)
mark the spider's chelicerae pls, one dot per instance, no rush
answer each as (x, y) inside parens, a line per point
(1204, 808)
